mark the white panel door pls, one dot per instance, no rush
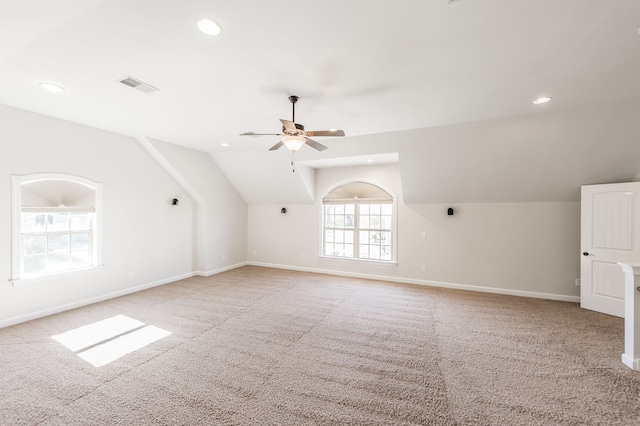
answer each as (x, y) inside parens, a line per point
(610, 233)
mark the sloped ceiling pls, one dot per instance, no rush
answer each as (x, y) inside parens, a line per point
(446, 86)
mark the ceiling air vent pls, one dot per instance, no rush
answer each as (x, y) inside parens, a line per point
(138, 85)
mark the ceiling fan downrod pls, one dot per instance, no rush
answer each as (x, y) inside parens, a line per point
(293, 100)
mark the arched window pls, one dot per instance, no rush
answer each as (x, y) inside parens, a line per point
(359, 223)
(56, 222)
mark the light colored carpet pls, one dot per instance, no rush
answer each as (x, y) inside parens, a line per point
(266, 346)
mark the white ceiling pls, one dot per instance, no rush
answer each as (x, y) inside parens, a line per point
(374, 69)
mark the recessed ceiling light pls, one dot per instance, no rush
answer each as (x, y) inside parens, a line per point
(51, 87)
(369, 160)
(224, 144)
(542, 100)
(209, 27)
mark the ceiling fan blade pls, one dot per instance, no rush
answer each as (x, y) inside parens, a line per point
(315, 145)
(289, 125)
(260, 134)
(276, 146)
(334, 132)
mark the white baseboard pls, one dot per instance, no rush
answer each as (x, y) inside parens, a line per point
(466, 287)
(61, 308)
(219, 270)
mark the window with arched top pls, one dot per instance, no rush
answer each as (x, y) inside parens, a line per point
(359, 223)
(56, 224)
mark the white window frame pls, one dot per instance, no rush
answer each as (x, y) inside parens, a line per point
(356, 229)
(18, 276)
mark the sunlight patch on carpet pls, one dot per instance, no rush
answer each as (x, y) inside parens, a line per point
(105, 341)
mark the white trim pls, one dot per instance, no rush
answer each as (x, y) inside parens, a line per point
(36, 279)
(454, 286)
(16, 208)
(358, 260)
(394, 226)
(219, 270)
(62, 308)
(633, 364)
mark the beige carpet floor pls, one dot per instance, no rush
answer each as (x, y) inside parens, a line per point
(271, 347)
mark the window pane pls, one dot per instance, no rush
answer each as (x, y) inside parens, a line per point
(364, 251)
(330, 221)
(374, 252)
(363, 208)
(339, 221)
(374, 209)
(35, 264)
(374, 222)
(329, 236)
(374, 238)
(59, 243)
(364, 222)
(350, 209)
(349, 221)
(340, 209)
(58, 262)
(328, 249)
(385, 238)
(348, 237)
(364, 237)
(58, 222)
(348, 252)
(80, 221)
(386, 209)
(80, 241)
(385, 252)
(34, 245)
(33, 222)
(329, 209)
(339, 236)
(80, 258)
(385, 222)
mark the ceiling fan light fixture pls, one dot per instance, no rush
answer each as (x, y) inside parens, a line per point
(293, 143)
(209, 27)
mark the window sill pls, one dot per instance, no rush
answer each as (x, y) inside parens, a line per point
(361, 261)
(17, 282)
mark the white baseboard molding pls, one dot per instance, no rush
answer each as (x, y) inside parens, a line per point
(62, 308)
(466, 287)
(219, 270)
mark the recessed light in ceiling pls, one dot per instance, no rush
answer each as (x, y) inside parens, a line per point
(209, 27)
(369, 160)
(224, 144)
(52, 87)
(542, 100)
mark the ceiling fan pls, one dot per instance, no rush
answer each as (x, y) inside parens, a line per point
(294, 134)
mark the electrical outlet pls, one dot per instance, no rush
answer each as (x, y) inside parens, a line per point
(577, 282)
(423, 268)
(224, 257)
(302, 256)
(132, 274)
(254, 252)
(423, 234)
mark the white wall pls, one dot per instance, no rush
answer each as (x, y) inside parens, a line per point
(142, 232)
(222, 213)
(515, 248)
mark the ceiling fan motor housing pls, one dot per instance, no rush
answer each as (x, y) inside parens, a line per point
(290, 132)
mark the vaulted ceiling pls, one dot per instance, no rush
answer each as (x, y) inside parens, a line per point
(443, 88)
